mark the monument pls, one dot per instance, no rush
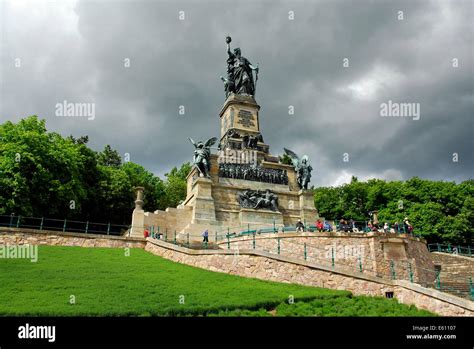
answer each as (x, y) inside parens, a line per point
(240, 184)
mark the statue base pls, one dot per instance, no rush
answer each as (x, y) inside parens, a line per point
(260, 217)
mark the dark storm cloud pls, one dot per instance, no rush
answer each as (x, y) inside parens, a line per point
(75, 52)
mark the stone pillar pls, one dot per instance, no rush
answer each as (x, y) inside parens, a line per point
(139, 200)
(308, 212)
(375, 217)
(138, 216)
(203, 202)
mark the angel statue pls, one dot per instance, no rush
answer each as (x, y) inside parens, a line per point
(202, 154)
(302, 167)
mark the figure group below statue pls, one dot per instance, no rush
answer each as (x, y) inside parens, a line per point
(240, 78)
(257, 199)
(253, 173)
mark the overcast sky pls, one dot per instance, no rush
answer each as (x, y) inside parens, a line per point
(52, 51)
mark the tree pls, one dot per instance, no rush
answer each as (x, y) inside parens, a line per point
(109, 157)
(285, 159)
(41, 172)
(175, 186)
(439, 211)
(46, 175)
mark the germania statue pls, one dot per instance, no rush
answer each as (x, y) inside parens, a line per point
(240, 78)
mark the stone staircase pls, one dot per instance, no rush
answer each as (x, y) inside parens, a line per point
(455, 272)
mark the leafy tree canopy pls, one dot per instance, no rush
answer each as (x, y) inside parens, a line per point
(44, 174)
(439, 211)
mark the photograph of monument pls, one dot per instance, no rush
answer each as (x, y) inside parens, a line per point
(168, 164)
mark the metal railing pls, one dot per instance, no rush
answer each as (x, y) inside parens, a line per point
(63, 225)
(453, 249)
(333, 257)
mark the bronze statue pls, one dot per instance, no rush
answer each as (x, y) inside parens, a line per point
(253, 173)
(302, 168)
(250, 141)
(239, 73)
(202, 154)
(257, 199)
(267, 200)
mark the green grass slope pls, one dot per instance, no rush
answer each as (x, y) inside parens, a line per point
(106, 282)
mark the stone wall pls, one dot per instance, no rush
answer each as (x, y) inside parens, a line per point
(381, 255)
(453, 267)
(456, 273)
(21, 236)
(167, 221)
(266, 266)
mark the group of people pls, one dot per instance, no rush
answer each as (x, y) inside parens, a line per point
(320, 226)
(344, 225)
(405, 227)
(350, 226)
(323, 226)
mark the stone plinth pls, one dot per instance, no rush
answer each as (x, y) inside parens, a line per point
(260, 217)
(240, 112)
(202, 201)
(138, 223)
(308, 212)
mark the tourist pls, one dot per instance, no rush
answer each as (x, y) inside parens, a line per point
(327, 226)
(385, 228)
(299, 225)
(396, 227)
(146, 233)
(205, 236)
(353, 224)
(405, 225)
(319, 225)
(341, 223)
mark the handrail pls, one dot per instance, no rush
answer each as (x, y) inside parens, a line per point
(55, 224)
(453, 249)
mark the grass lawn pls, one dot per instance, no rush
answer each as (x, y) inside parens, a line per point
(105, 282)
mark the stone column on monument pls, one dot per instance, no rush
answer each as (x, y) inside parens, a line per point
(308, 212)
(139, 199)
(138, 216)
(375, 218)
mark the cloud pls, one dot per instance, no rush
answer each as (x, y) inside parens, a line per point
(76, 50)
(369, 86)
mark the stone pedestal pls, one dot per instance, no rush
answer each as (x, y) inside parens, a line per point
(308, 212)
(239, 112)
(394, 249)
(202, 201)
(260, 218)
(138, 216)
